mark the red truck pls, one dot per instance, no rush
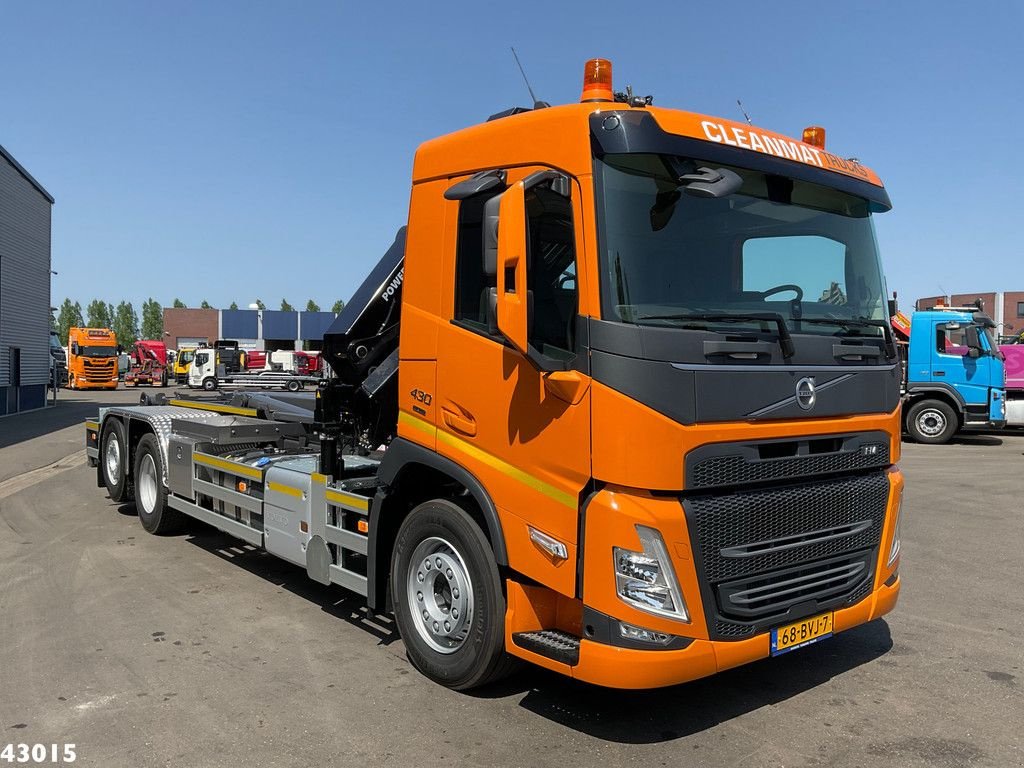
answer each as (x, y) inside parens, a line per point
(148, 364)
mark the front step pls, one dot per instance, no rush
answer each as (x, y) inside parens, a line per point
(553, 644)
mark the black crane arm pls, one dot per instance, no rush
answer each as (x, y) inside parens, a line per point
(359, 404)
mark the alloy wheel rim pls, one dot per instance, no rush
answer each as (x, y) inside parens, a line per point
(439, 593)
(147, 480)
(113, 458)
(931, 423)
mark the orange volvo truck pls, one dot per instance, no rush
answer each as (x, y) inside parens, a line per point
(621, 400)
(92, 358)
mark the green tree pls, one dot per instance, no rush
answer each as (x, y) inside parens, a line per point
(205, 305)
(179, 304)
(312, 306)
(338, 306)
(97, 315)
(286, 307)
(126, 324)
(259, 304)
(152, 320)
(111, 313)
(68, 317)
(234, 305)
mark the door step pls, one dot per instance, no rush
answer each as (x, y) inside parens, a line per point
(551, 643)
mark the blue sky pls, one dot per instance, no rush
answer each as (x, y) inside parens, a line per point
(234, 150)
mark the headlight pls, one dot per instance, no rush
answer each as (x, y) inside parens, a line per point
(647, 580)
(895, 549)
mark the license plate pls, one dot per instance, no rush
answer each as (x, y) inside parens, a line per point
(801, 633)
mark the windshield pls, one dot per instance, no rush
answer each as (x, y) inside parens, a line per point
(185, 356)
(97, 351)
(778, 245)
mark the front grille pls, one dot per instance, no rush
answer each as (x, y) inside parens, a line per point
(721, 465)
(763, 554)
(777, 591)
(733, 629)
(749, 532)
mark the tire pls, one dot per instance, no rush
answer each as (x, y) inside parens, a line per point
(71, 381)
(932, 422)
(114, 461)
(466, 592)
(293, 386)
(150, 492)
(209, 384)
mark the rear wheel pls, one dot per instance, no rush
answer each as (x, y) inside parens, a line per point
(294, 386)
(932, 421)
(114, 461)
(150, 492)
(447, 595)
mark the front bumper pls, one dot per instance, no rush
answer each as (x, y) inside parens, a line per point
(611, 518)
(616, 667)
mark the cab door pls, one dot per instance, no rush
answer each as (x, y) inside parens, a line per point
(953, 364)
(526, 439)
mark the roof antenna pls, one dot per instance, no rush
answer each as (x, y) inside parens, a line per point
(536, 104)
(740, 105)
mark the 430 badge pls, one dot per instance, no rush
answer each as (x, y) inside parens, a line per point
(421, 397)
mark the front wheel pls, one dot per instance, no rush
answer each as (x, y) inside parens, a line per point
(447, 595)
(209, 384)
(932, 421)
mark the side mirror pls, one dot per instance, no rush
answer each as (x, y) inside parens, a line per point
(512, 302)
(74, 347)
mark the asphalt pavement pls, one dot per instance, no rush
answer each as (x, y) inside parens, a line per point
(197, 650)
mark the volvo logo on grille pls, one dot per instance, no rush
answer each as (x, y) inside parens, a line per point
(805, 393)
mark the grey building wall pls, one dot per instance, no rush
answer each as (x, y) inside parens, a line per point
(24, 284)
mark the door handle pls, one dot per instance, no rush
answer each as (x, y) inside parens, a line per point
(940, 373)
(460, 422)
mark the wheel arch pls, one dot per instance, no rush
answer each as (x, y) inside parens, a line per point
(134, 430)
(411, 474)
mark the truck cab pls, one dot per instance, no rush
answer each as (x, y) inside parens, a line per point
(92, 358)
(202, 370)
(955, 377)
(182, 361)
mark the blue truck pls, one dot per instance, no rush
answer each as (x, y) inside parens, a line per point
(954, 376)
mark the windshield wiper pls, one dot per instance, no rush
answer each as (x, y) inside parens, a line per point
(861, 322)
(785, 338)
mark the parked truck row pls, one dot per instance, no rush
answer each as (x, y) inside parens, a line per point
(639, 409)
(95, 360)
